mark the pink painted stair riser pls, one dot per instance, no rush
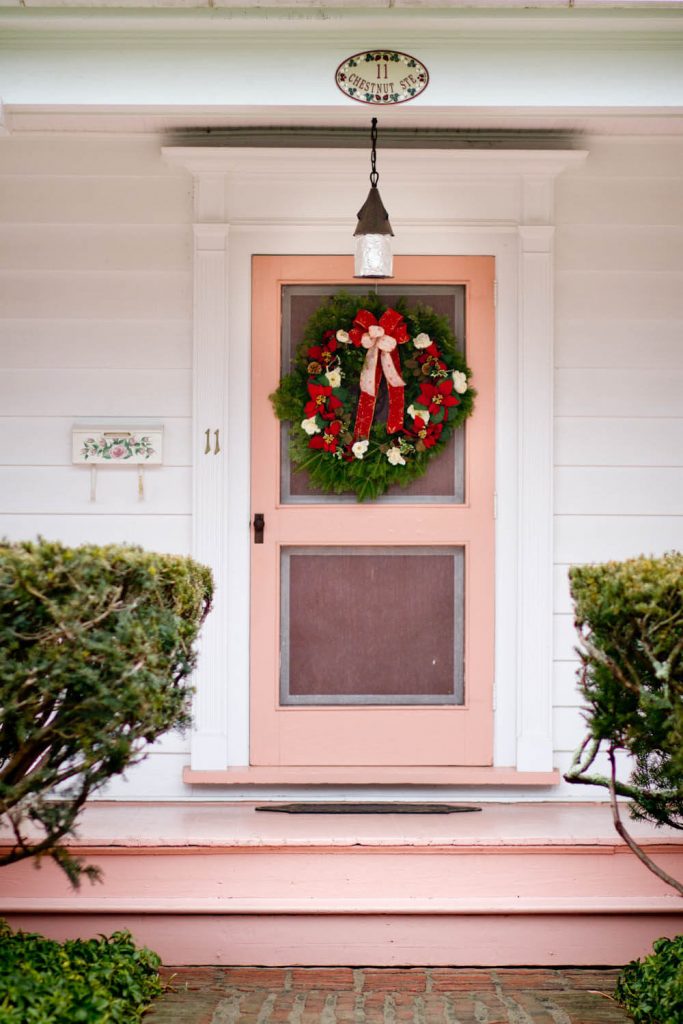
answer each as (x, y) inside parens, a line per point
(216, 883)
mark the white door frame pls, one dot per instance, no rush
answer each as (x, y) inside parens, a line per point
(494, 202)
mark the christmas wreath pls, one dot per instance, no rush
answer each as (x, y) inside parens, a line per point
(334, 395)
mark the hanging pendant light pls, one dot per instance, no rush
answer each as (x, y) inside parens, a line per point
(373, 231)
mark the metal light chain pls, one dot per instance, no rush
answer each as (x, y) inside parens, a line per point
(374, 176)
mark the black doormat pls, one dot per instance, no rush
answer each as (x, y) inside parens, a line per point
(367, 808)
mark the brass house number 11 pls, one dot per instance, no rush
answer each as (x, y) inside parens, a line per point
(382, 77)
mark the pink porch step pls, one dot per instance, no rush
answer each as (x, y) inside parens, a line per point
(218, 883)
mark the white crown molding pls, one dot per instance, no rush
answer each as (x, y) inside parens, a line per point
(331, 164)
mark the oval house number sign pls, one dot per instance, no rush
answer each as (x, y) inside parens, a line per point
(382, 77)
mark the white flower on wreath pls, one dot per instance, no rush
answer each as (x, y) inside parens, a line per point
(422, 413)
(460, 381)
(422, 341)
(310, 426)
(360, 448)
(343, 337)
(334, 378)
(395, 458)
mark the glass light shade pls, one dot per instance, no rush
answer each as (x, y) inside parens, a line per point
(373, 256)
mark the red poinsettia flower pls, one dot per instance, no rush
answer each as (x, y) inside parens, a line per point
(428, 433)
(323, 402)
(431, 350)
(329, 439)
(324, 353)
(437, 396)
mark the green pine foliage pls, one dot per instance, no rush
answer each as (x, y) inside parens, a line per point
(94, 981)
(630, 621)
(374, 474)
(651, 989)
(96, 649)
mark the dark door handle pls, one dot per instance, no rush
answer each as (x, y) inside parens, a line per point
(259, 526)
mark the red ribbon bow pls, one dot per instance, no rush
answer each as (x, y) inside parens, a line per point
(381, 338)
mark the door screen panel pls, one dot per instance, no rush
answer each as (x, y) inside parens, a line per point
(444, 480)
(346, 639)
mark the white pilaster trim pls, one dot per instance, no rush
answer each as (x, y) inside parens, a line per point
(209, 196)
(535, 461)
(210, 479)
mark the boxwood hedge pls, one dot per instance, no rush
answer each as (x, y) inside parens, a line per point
(651, 989)
(96, 649)
(93, 981)
(630, 621)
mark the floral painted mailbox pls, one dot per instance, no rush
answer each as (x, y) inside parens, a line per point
(117, 446)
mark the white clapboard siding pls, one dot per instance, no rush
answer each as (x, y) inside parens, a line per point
(95, 155)
(44, 199)
(78, 393)
(610, 248)
(619, 491)
(65, 490)
(618, 379)
(565, 637)
(46, 440)
(618, 293)
(584, 200)
(97, 344)
(636, 248)
(565, 685)
(562, 602)
(612, 158)
(96, 247)
(170, 534)
(602, 538)
(618, 392)
(601, 766)
(171, 743)
(626, 343)
(569, 728)
(619, 441)
(120, 294)
(96, 328)
(570, 731)
(158, 777)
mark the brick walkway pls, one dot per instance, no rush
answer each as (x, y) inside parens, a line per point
(341, 995)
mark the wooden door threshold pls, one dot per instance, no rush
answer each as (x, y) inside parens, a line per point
(363, 775)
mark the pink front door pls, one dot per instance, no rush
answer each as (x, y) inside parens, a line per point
(372, 625)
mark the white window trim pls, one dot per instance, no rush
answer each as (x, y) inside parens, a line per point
(522, 244)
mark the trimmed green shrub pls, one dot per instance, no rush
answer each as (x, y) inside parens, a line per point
(96, 650)
(651, 990)
(630, 620)
(94, 981)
